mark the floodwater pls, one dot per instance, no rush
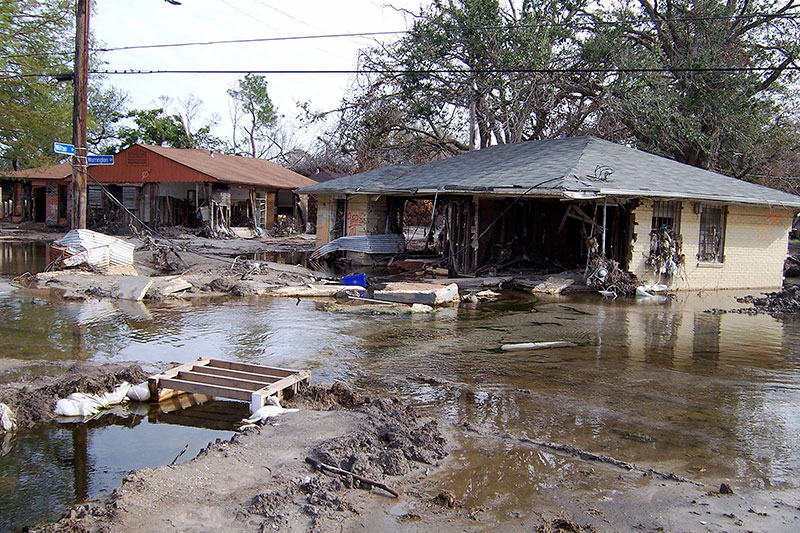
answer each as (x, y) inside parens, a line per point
(669, 387)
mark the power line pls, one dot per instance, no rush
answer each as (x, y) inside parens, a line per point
(610, 70)
(785, 16)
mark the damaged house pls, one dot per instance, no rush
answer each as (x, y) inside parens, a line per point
(184, 186)
(163, 187)
(36, 195)
(559, 204)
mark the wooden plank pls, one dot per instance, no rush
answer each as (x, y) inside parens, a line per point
(172, 372)
(247, 367)
(286, 383)
(181, 400)
(214, 371)
(222, 381)
(205, 388)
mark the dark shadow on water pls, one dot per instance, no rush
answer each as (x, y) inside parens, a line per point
(44, 472)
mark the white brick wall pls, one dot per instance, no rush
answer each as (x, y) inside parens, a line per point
(756, 243)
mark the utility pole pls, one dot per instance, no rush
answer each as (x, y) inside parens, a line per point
(80, 82)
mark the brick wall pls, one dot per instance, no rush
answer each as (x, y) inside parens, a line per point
(756, 243)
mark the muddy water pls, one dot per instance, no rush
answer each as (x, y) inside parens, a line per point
(709, 397)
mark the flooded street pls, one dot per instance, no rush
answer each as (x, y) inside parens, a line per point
(709, 397)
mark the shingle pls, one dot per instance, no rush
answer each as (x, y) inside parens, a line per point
(555, 166)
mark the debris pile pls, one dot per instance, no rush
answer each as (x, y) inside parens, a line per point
(666, 251)
(605, 274)
(786, 301)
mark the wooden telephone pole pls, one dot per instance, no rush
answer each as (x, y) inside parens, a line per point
(79, 113)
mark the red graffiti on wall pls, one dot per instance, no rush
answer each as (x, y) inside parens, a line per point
(356, 220)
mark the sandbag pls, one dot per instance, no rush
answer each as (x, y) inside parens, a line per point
(272, 409)
(7, 420)
(82, 404)
(139, 393)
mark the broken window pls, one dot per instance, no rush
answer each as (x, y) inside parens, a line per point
(667, 215)
(712, 234)
(666, 243)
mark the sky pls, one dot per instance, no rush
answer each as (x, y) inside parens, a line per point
(117, 23)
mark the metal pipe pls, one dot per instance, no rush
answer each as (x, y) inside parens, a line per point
(604, 227)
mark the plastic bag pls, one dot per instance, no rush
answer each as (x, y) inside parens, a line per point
(7, 420)
(272, 409)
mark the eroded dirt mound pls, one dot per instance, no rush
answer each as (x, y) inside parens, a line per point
(33, 402)
(337, 395)
(388, 445)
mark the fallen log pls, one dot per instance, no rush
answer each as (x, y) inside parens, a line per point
(322, 467)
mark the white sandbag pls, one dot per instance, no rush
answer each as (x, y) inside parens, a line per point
(7, 420)
(272, 409)
(139, 393)
(118, 395)
(82, 404)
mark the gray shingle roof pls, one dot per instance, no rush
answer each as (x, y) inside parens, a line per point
(563, 167)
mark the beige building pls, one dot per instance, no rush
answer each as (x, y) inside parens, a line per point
(561, 204)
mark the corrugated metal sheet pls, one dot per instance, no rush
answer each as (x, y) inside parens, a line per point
(389, 244)
(97, 250)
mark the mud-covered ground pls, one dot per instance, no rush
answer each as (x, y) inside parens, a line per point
(266, 479)
(783, 302)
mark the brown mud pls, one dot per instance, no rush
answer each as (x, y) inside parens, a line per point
(33, 402)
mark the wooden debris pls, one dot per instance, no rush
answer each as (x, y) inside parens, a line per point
(322, 467)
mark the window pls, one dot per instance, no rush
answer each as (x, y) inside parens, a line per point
(712, 234)
(667, 215)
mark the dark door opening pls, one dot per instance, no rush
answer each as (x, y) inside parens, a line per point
(39, 204)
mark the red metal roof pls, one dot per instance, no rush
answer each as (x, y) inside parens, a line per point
(52, 172)
(160, 164)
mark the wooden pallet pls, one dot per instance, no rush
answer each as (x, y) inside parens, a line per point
(227, 379)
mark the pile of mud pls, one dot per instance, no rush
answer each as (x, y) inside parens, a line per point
(33, 402)
(784, 302)
(263, 472)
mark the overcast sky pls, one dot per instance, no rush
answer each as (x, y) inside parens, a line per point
(117, 23)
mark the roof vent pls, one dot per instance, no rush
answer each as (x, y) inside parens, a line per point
(137, 157)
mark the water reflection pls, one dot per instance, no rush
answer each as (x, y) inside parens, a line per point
(18, 257)
(45, 471)
(707, 396)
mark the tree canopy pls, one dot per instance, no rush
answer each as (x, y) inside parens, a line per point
(705, 82)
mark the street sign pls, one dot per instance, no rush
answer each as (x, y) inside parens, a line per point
(63, 148)
(99, 159)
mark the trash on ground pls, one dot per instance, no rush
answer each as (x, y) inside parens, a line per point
(227, 379)
(7, 420)
(272, 409)
(553, 285)
(97, 250)
(132, 288)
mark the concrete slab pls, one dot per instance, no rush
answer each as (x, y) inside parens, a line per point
(418, 293)
(132, 288)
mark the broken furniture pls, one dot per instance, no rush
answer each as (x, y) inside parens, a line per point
(228, 379)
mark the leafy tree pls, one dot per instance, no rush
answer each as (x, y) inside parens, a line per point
(34, 110)
(470, 73)
(154, 126)
(731, 121)
(253, 115)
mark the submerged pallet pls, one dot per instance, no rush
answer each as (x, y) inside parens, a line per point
(227, 379)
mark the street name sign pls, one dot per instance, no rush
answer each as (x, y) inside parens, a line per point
(63, 148)
(99, 159)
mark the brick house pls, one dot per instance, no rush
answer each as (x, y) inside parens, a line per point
(37, 195)
(554, 204)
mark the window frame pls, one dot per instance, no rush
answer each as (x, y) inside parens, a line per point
(718, 256)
